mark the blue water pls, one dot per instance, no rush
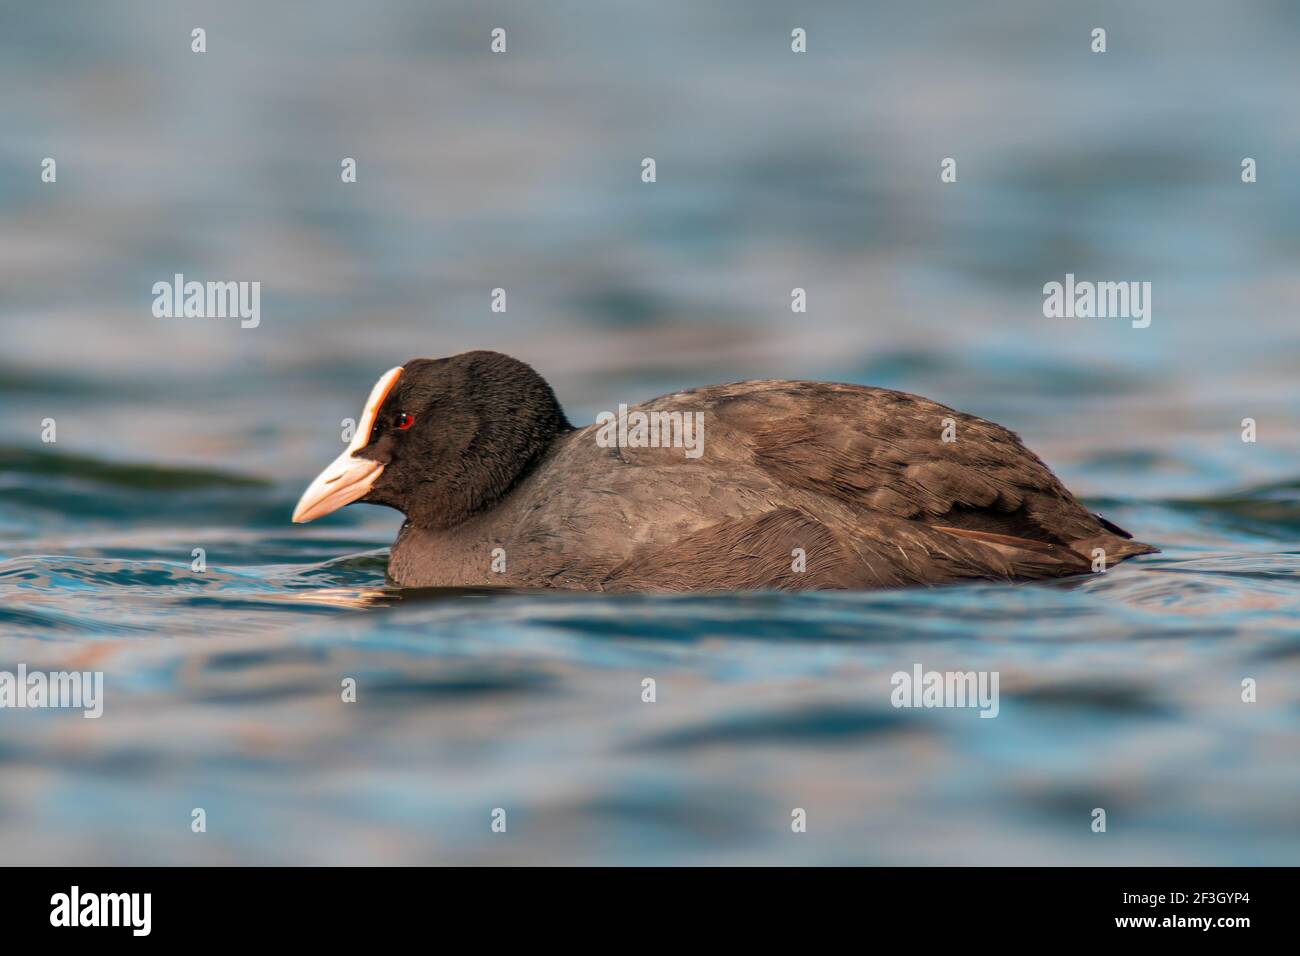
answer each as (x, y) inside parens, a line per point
(1121, 691)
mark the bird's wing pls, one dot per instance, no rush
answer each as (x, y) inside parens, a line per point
(907, 457)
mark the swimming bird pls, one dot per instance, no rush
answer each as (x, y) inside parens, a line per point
(787, 485)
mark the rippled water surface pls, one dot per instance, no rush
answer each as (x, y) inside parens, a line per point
(1121, 691)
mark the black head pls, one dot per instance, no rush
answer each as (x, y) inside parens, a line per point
(449, 438)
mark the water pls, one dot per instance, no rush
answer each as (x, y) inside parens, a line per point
(223, 688)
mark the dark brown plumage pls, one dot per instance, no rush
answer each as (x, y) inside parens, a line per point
(800, 485)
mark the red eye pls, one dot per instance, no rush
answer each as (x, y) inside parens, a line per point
(405, 421)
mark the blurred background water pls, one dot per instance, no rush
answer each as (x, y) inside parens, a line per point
(522, 171)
